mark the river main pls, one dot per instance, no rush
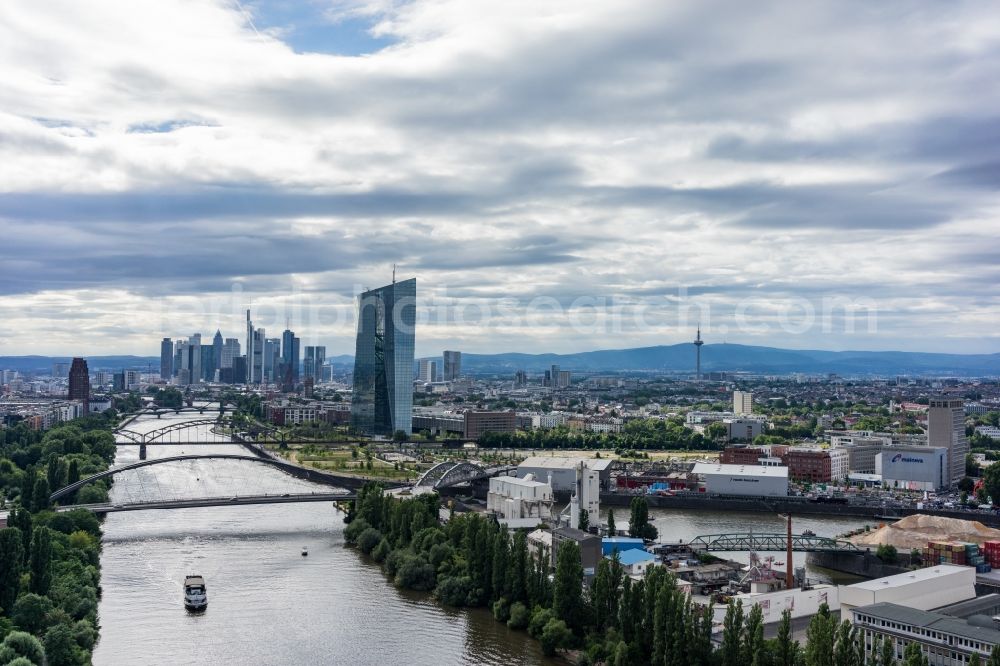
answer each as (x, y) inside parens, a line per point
(270, 605)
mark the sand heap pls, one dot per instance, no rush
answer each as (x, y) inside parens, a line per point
(916, 530)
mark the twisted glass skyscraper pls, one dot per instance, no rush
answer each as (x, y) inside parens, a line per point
(383, 360)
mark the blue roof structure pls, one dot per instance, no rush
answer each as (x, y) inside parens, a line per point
(635, 556)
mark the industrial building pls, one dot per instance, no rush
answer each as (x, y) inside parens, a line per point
(921, 589)
(914, 467)
(519, 502)
(563, 470)
(755, 480)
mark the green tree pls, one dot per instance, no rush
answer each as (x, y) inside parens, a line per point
(753, 636)
(41, 560)
(584, 520)
(732, 628)
(820, 638)
(60, 646)
(21, 644)
(886, 652)
(845, 651)
(399, 436)
(975, 660)
(787, 650)
(991, 481)
(994, 659)
(73, 475)
(639, 520)
(11, 563)
(556, 635)
(914, 655)
(20, 518)
(30, 611)
(568, 585)
(40, 495)
(611, 523)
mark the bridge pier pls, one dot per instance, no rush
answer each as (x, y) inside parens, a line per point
(142, 452)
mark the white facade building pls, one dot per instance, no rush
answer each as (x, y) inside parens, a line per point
(754, 480)
(742, 402)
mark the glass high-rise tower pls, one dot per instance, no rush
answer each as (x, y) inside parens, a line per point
(383, 360)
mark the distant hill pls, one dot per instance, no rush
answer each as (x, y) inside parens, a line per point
(732, 358)
(667, 358)
(43, 364)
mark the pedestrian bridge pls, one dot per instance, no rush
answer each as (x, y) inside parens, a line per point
(801, 543)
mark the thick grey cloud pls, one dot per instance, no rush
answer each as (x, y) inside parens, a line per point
(645, 153)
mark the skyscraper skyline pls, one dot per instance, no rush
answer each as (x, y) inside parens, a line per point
(382, 400)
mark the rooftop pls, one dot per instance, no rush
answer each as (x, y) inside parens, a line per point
(910, 577)
(931, 620)
(560, 462)
(746, 470)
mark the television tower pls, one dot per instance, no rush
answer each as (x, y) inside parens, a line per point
(698, 342)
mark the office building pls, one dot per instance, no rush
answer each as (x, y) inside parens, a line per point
(312, 364)
(290, 359)
(230, 350)
(382, 400)
(240, 371)
(102, 378)
(207, 363)
(118, 381)
(251, 378)
(166, 359)
(816, 465)
(452, 365)
(477, 423)
(428, 371)
(946, 427)
(79, 383)
(191, 359)
(742, 403)
(132, 379)
(944, 640)
(217, 346)
(60, 370)
(272, 360)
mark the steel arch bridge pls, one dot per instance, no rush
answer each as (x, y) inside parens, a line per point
(803, 543)
(172, 432)
(451, 473)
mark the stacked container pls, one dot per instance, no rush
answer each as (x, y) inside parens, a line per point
(991, 551)
(963, 554)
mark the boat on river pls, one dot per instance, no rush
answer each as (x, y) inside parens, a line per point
(195, 593)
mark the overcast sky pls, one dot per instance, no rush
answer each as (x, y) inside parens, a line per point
(558, 176)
